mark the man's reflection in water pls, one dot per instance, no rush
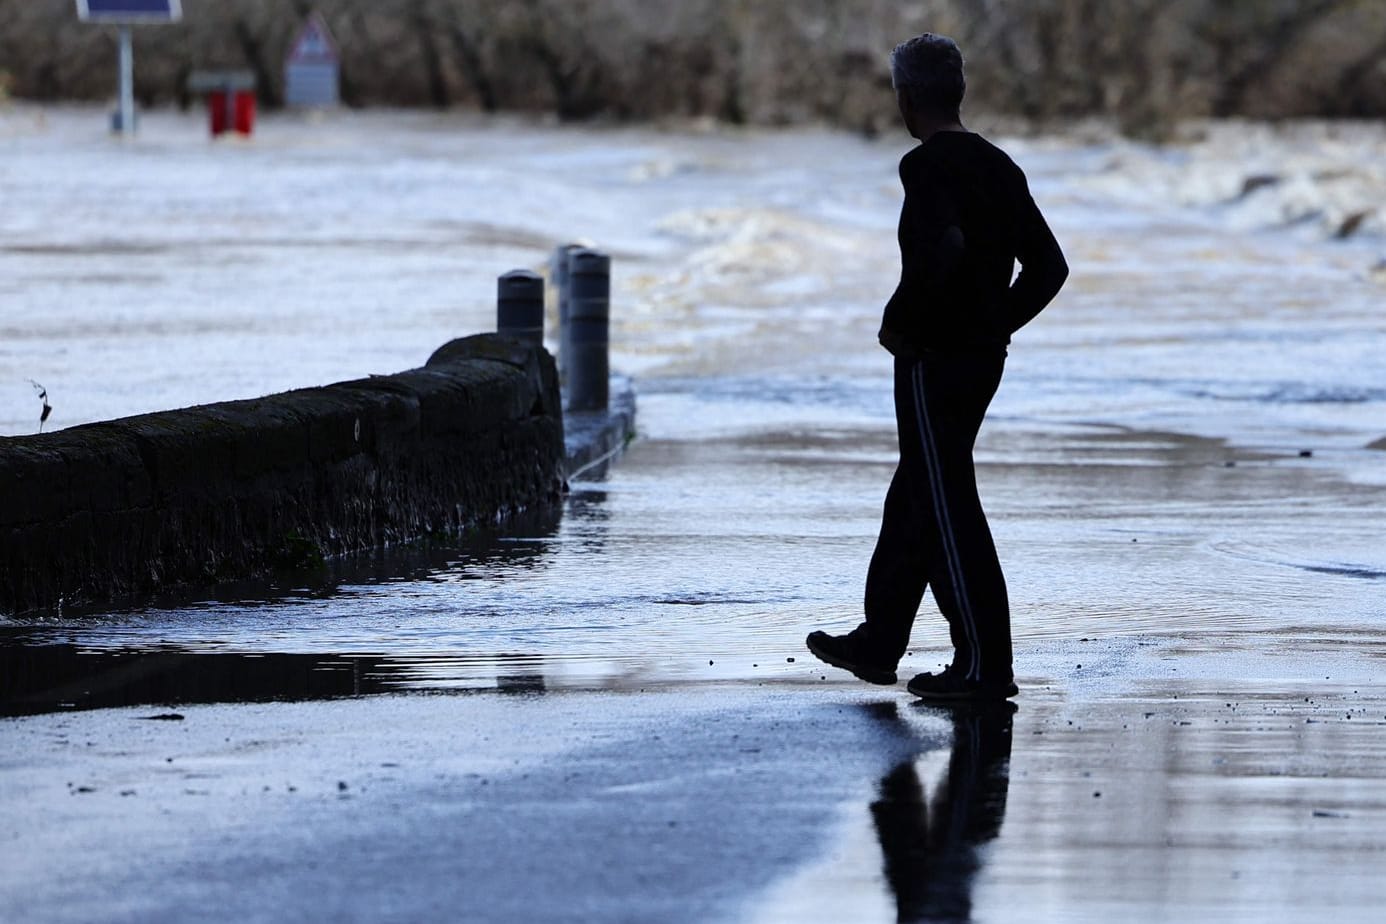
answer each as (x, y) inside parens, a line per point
(931, 845)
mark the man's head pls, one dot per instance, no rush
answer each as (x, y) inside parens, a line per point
(927, 72)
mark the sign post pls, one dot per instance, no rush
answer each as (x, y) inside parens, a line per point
(126, 13)
(125, 116)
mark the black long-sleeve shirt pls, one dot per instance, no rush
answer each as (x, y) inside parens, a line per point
(968, 217)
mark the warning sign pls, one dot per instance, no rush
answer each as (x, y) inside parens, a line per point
(313, 44)
(311, 69)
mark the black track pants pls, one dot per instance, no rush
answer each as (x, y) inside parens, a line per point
(934, 532)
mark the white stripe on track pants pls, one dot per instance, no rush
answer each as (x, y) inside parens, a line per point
(934, 532)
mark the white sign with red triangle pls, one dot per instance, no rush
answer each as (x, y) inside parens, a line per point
(313, 44)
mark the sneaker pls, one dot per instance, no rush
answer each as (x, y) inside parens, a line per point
(850, 653)
(948, 686)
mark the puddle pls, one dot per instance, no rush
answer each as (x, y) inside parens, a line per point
(58, 678)
(37, 679)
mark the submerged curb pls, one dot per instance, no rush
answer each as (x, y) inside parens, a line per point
(594, 439)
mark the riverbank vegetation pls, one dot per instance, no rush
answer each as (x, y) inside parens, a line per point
(1143, 63)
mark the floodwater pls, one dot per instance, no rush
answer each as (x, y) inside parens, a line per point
(1184, 469)
(1180, 444)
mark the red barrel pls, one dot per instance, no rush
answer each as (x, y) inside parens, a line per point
(231, 111)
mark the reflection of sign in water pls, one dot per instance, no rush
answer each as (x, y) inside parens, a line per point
(129, 11)
(311, 67)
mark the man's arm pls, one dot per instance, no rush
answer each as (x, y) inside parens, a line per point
(1043, 268)
(931, 246)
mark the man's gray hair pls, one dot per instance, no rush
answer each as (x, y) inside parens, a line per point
(929, 68)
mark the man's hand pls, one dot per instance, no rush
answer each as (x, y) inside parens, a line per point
(895, 343)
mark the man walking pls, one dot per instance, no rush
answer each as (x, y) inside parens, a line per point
(967, 218)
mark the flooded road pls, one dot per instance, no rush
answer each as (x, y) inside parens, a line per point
(705, 557)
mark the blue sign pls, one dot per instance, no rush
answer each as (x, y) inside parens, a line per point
(129, 11)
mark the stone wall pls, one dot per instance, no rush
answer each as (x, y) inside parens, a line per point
(113, 511)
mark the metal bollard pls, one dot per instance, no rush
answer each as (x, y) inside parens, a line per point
(558, 269)
(589, 330)
(520, 306)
